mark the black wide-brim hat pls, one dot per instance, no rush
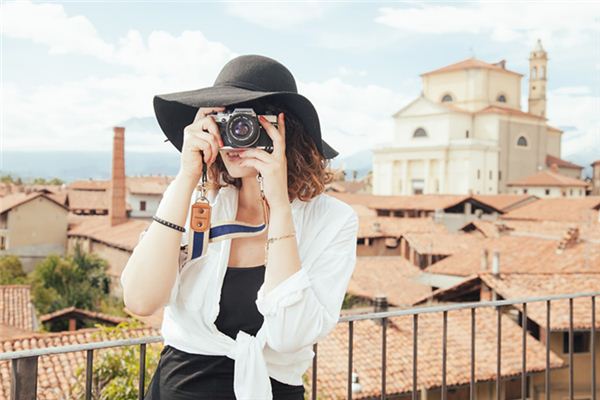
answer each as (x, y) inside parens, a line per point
(244, 78)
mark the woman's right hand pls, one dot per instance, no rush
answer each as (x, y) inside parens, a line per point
(201, 141)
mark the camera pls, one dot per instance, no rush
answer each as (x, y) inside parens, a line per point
(240, 128)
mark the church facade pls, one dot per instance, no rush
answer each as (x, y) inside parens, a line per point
(466, 132)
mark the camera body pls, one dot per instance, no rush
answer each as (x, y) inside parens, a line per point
(240, 128)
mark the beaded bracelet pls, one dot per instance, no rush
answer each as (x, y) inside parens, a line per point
(169, 224)
(271, 240)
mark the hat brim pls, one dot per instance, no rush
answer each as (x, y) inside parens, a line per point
(175, 111)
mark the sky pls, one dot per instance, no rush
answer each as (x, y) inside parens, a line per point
(72, 70)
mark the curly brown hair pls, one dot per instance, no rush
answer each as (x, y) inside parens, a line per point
(308, 171)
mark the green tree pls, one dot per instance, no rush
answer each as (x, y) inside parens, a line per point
(78, 280)
(11, 270)
(116, 371)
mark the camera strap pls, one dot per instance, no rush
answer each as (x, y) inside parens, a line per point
(202, 232)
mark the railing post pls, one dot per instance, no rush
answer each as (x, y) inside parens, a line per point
(498, 351)
(89, 370)
(383, 356)
(524, 355)
(593, 348)
(314, 374)
(24, 378)
(142, 371)
(415, 354)
(350, 337)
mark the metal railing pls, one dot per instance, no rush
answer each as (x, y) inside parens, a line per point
(24, 363)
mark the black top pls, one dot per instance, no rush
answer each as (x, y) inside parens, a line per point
(183, 376)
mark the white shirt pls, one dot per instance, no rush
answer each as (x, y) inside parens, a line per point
(298, 312)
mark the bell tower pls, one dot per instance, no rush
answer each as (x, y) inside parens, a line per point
(538, 62)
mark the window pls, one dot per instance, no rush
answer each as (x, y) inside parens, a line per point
(418, 186)
(524, 191)
(547, 191)
(142, 205)
(499, 175)
(447, 98)
(478, 174)
(490, 174)
(467, 134)
(522, 141)
(581, 342)
(501, 98)
(534, 73)
(420, 132)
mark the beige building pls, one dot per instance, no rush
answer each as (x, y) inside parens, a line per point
(466, 132)
(549, 183)
(32, 225)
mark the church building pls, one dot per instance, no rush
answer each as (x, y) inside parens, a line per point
(466, 132)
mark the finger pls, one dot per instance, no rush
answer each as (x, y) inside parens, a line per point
(259, 154)
(212, 141)
(203, 111)
(256, 164)
(210, 126)
(281, 125)
(278, 144)
(201, 141)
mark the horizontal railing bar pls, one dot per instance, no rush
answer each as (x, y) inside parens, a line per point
(355, 317)
(448, 307)
(79, 347)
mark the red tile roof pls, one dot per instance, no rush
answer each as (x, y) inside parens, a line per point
(548, 178)
(56, 373)
(494, 109)
(81, 313)
(16, 309)
(513, 286)
(582, 209)
(426, 202)
(332, 364)
(13, 200)
(124, 236)
(89, 200)
(438, 243)
(505, 202)
(372, 227)
(523, 254)
(470, 63)
(550, 159)
(391, 276)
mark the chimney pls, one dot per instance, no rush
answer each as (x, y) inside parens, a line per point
(554, 168)
(381, 304)
(484, 260)
(496, 263)
(570, 238)
(117, 210)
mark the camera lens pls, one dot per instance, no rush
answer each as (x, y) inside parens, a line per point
(242, 130)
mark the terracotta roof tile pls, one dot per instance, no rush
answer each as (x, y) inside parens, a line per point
(504, 202)
(513, 286)
(439, 243)
(558, 209)
(82, 313)
(508, 111)
(523, 254)
(333, 353)
(16, 309)
(550, 159)
(56, 373)
(16, 199)
(426, 202)
(395, 227)
(549, 179)
(88, 200)
(387, 275)
(124, 236)
(470, 63)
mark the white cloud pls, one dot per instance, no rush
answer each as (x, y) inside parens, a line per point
(346, 71)
(278, 15)
(49, 24)
(562, 23)
(576, 107)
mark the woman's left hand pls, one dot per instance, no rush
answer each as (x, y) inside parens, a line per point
(272, 166)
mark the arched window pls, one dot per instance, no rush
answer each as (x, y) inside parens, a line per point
(501, 98)
(447, 98)
(420, 132)
(522, 141)
(534, 73)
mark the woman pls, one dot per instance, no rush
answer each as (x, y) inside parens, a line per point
(240, 318)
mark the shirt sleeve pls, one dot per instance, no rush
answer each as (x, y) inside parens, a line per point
(305, 307)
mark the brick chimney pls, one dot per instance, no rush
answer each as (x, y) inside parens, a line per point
(117, 210)
(570, 238)
(380, 304)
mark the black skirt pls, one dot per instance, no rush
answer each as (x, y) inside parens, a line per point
(186, 376)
